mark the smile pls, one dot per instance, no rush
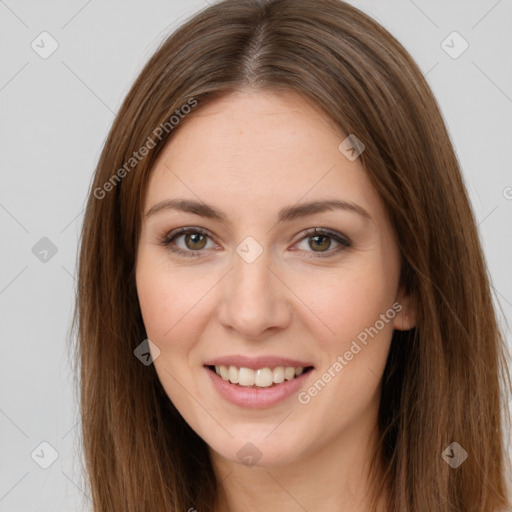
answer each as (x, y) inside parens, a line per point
(259, 387)
(260, 377)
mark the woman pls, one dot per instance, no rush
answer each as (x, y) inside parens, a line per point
(283, 302)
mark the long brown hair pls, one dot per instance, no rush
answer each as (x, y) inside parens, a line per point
(442, 380)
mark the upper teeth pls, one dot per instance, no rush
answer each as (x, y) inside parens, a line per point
(262, 377)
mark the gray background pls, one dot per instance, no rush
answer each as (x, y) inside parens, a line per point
(55, 115)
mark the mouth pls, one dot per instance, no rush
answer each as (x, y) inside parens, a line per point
(258, 378)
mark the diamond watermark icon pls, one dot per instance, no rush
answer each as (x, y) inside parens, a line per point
(249, 250)
(147, 352)
(249, 454)
(454, 45)
(44, 250)
(44, 45)
(351, 147)
(454, 455)
(44, 455)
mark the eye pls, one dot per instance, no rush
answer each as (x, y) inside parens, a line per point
(196, 239)
(320, 241)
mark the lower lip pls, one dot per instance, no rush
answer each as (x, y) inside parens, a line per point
(257, 398)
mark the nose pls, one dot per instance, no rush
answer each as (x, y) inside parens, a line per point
(255, 301)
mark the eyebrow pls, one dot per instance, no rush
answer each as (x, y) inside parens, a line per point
(285, 214)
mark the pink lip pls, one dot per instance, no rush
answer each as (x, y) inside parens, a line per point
(257, 398)
(256, 362)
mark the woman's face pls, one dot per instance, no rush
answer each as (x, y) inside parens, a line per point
(252, 290)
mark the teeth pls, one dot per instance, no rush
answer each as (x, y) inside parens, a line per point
(278, 375)
(246, 377)
(224, 373)
(233, 374)
(262, 377)
(289, 373)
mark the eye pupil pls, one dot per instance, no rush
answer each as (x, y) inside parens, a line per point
(320, 246)
(196, 239)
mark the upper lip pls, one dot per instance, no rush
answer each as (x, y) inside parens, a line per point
(256, 362)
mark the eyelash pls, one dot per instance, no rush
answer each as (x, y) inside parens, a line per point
(342, 240)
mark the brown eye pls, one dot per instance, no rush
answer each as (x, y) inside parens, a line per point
(319, 242)
(195, 241)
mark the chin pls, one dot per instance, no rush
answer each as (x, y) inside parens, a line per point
(253, 450)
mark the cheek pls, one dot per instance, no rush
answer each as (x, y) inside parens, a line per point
(354, 335)
(161, 297)
(155, 299)
(345, 302)
(173, 302)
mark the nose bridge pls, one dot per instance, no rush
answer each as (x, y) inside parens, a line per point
(254, 299)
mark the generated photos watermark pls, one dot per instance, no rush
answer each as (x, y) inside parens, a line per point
(304, 397)
(137, 156)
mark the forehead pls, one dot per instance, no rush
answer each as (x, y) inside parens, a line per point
(251, 149)
(262, 124)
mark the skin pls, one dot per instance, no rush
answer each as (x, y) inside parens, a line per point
(249, 155)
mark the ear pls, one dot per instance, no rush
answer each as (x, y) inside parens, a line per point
(405, 318)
